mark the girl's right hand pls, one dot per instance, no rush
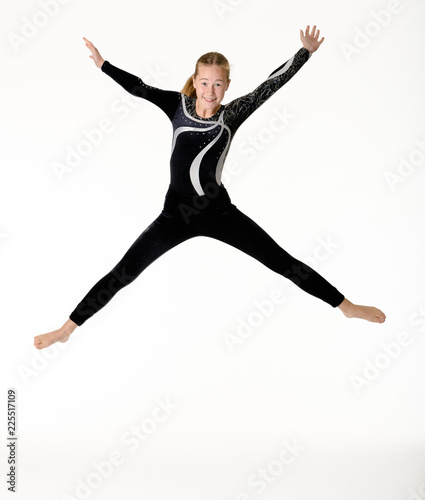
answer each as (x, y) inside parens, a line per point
(97, 58)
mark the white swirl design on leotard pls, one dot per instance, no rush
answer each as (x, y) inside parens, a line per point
(223, 155)
(196, 163)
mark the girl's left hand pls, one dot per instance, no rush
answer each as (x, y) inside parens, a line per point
(311, 42)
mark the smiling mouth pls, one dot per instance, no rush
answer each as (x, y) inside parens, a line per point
(209, 100)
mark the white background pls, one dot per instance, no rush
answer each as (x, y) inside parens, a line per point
(304, 373)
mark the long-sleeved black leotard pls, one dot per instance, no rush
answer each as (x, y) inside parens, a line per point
(197, 203)
(200, 145)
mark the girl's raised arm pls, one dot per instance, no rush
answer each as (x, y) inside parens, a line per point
(167, 100)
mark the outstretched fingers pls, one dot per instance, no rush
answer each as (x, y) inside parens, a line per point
(311, 40)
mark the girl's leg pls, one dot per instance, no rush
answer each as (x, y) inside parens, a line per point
(237, 229)
(161, 235)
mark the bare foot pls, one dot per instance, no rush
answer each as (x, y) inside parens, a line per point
(368, 313)
(61, 335)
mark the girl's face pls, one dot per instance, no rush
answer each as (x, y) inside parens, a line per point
(210, 84)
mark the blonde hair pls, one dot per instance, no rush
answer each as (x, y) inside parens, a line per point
(209, 58)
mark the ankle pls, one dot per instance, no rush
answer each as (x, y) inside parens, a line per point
(69, 326)
(345, 305)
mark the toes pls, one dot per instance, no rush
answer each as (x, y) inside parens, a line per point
(38, 342)
(380, 316)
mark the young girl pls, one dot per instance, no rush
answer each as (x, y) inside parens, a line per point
(197, 203)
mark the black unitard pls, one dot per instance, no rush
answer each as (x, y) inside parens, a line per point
(197, 203)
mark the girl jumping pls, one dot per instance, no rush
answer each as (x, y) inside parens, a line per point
(196, 202)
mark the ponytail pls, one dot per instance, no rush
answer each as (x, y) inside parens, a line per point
(188, 88)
